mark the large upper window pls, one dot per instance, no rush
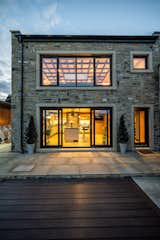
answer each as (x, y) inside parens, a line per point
(76, 71)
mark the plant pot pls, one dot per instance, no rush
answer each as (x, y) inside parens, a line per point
(123, 147)
(30, 148)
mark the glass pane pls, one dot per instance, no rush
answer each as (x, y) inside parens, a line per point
(102, 127)
(109, 127)
(139, 127)
(43, 126)
(103, 71)
(49, 71)
(139, 63)
(76, 127)
(92, 127)
(85, 71)
(67, 71)
(51, 127)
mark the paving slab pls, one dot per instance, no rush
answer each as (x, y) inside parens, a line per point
(64, 170)
(23, 168)
(80, 163)
(94, 169)
(151, 186)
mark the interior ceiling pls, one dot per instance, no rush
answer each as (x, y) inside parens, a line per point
(77, 110)
(68, 67)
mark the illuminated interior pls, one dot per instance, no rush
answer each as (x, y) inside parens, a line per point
(140, 126)
(76, 71)
(50, 127)
(102, 127)
(71, 127)
(67, 71)
(49, 73)
(140, 62)
(76, 127)
(103, 71)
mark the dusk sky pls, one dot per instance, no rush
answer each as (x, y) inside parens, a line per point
(97, 17)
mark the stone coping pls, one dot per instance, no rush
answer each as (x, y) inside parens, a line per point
(78, 176)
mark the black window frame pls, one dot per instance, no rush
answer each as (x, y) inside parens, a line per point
(92, 128)
(146, 142)
(146, 61)
(79, 56)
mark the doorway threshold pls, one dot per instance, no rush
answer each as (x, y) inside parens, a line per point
(75, 150)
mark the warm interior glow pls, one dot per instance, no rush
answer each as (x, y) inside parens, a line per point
(139, 126)
(5, 116)
(50, 127)
(139, 62)
(103, 71)
(49, 70)
(67, 73)
(76, 71)
(102, 120)
(75, 127)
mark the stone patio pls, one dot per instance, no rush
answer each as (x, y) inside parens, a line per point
(78, 164)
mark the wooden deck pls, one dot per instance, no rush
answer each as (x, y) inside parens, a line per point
(82, 209)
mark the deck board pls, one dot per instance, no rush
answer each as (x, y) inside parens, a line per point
(70, 209)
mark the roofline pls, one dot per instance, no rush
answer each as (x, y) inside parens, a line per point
(4, 104)
(85, 38)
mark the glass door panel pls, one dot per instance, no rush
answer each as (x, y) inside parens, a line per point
(50, 128)
(102, 127)
(93, 135)
(76, 127)
(43, 127)
(141, 126)
(109, 128)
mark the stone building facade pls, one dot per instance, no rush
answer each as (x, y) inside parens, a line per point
(77, 87)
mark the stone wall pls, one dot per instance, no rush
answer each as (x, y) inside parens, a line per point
(16, 93)
(132, 88)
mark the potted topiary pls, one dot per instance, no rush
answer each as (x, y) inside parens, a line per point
(31, 136)
(122, 135)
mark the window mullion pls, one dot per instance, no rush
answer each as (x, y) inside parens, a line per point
(94, 72)
(76, 70)
(45, 127)
(57, 71)
(111, 69)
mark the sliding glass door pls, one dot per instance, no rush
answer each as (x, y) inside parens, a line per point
(76, 127)
(50, 127)
(102, 124)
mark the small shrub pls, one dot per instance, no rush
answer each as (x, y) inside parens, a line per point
(123, 136)
(31, 132)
